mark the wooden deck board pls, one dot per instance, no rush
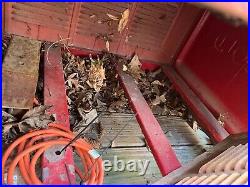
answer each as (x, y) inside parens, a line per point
(20, 73)
(130, 145)
(176, 129)
(184, 154)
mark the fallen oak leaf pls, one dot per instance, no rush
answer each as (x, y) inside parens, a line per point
(96, 76)
(7, 118)
(135, 67)
(135, 62)
(123, 21)
(36, 111)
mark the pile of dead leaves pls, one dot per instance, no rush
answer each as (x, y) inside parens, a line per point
(157, 90)
(91, 83)
(15, 126)
(161, 96)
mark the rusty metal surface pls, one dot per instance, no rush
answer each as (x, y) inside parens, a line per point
(20, 73)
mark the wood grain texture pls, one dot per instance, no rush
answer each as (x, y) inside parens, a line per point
(130, 145)
(20, 73)
(176, 129)
(193, 166)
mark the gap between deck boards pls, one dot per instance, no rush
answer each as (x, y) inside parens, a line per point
(130, 145)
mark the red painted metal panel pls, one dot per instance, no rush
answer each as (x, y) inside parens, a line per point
(203, 115)
(57, 169)
(156, 139)
(186, 20)
(214, 64)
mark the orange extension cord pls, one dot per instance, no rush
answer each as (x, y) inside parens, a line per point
(26, 145)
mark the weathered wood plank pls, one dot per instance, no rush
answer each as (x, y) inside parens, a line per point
(193, 166)
(184, 153)
(20, 73)
(176, 129)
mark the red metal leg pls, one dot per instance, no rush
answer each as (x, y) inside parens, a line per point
(204, 116)
(156, 139)
(57, 169)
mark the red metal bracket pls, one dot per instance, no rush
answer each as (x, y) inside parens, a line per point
(57, 169)
(204, 116)
(162, 151)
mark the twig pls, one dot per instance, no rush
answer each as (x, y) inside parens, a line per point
(47, 52)
(64, 45)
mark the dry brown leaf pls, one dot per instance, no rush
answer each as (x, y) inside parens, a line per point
(135, 67)
(7, 118)
(123, 21)
(36, 111)
(156, 101)
(107, 45)
(135, 63)
(156, 82)
(124, 68)
(7, 127)
(72, 75)
(35, 122)
(74, 82)
(96, 76)
(113, 17)
(162, 98)
(33, 119)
